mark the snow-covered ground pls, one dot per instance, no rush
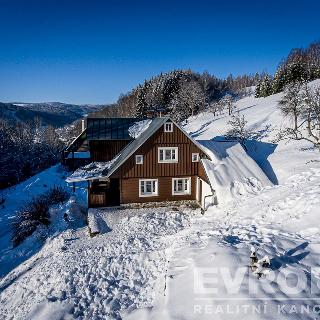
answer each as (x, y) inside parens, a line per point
(174, 263)
(15, 198)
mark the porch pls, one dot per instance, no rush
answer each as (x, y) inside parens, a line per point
(104, 193)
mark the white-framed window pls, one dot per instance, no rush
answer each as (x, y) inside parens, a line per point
(181, 186)
(195, 157)
(167, 154)
(148, 187)
(168, 127)
(139, 159)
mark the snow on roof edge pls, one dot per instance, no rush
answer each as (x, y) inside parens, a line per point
(138, 128)
(92, 171)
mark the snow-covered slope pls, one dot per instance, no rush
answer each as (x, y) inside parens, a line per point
(279, 161)
(146, 262)
(15, 198)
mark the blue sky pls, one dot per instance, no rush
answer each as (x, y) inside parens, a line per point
(91, 51)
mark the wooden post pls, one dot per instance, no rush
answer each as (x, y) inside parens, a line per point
(88, 194)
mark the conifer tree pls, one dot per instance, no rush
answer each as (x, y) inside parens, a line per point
(279, 80)
(258, 89)
(266, 87)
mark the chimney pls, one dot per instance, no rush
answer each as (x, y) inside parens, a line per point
(82, 125)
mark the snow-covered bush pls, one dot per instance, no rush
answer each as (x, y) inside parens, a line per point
(238, 129)
(35, 213)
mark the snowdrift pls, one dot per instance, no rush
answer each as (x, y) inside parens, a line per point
(232, 172)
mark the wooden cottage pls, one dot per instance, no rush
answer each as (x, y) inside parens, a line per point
(136, 161)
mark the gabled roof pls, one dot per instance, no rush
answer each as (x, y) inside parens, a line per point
(111, 166)
(132, 147)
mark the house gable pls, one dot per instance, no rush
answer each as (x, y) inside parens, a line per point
(149, 149)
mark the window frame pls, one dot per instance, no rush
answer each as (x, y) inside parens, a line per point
(176, 149)
(181, 193)
(153, 193)
(197, 155)
(137, 157)
(171, 127)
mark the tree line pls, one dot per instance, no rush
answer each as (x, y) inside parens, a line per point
(302, 64)
(179, 93)
(26, 148)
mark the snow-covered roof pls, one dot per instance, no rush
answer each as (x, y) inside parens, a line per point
(231, 171)
(138, 128)
(92, 171)
(105, 169)
(144, 130)
(153, 126)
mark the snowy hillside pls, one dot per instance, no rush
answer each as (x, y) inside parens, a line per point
(146, 263)
(264, 118)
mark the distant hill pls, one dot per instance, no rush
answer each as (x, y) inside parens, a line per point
(51, 113)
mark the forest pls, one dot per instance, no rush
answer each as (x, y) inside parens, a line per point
(179, 93)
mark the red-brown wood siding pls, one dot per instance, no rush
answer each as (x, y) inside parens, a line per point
(130, 191)
(106, 150)
(151, 168)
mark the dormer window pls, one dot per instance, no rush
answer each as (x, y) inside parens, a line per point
(195, 157)
(168, 127)
(139, 159)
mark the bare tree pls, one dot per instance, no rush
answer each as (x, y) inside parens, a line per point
(311, 113)
(308, 119)
(214, 107)
(228, 101)
(290, 104)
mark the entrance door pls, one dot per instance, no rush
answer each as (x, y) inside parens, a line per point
(113, 193)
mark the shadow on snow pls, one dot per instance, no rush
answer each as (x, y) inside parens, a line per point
(289, 258)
